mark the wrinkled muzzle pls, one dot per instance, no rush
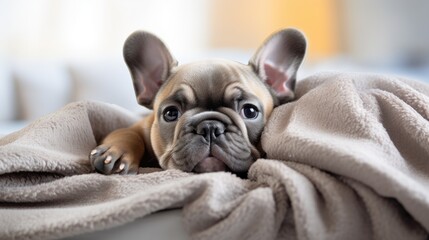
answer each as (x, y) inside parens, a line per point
(211, 141)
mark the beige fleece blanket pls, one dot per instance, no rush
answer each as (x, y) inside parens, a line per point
(349, 159)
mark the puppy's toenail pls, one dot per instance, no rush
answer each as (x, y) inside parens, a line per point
(108, 159)
(93, 152)
(122, 166)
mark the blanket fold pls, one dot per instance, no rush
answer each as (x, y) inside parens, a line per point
(349, 159)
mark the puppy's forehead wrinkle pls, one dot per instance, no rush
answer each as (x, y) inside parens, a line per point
(209, 115)
(185, 95)
(209, 79)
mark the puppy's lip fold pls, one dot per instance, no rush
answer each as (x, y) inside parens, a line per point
(210, 164)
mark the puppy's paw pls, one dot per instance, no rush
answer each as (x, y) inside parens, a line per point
(110, 160)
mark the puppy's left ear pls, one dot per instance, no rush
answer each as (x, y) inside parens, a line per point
(277, 61)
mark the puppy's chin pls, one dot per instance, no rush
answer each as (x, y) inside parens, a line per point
(210, 164)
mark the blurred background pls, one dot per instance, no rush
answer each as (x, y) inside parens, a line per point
(57, 51)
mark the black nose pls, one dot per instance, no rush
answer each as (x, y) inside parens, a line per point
(210, 129)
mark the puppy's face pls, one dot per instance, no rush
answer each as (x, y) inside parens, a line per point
(209, 115)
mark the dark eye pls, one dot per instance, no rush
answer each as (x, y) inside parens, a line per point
(249, 111)
(171, 114)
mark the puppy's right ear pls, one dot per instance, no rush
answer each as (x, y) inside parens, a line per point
(149, 62)
(277, 61)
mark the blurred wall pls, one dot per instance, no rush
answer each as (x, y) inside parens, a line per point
(89, 28)
(386, 31)
(85, 28)
(369, 31)
(246, 23)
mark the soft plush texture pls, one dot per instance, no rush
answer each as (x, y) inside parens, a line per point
(349, 159)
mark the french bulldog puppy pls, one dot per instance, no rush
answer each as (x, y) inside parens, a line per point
(207, 115)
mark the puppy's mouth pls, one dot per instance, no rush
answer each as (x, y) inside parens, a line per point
(210, 164)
